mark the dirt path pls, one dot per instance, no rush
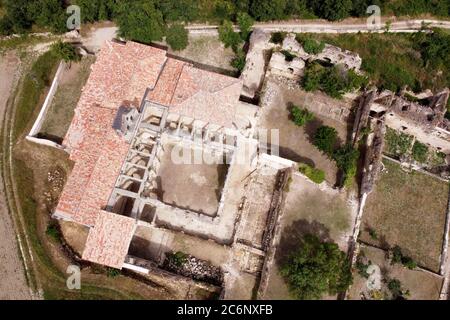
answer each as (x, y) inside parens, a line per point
(13, 283)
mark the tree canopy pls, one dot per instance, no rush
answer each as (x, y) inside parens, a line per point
(316, 268)
(140, 21)
(177, 37)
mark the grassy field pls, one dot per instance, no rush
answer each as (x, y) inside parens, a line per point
(61, 111)
(391, 60)
(408, 210)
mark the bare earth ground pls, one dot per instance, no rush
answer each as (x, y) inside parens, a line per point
(208, 50)
(194, 187)
(408, 210)
(13, 284)
(295, 141)
(422, 285)
(310, 209)
(61, 111)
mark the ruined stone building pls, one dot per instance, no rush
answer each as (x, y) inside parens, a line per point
(140, 113)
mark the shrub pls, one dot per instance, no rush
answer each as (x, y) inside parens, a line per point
(65, 51)
(53, 232)
(301, 116)
(112, 272)
(420, 152)
(277, 37)
(325, 139)
(399, 257)
(315, 175)
(287, 55)
(316, 268)
(310, 45)
(346, 159)
(178, 258)
(177, 37)
(238, 61)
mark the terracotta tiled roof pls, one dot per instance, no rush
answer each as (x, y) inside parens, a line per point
(109, 239)
(197, 93)
(120, 76)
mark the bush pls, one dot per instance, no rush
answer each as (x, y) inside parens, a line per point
(65, 51)
(300, 116)
(53, 232)
(277, 37)
(325, 139)
(310, 46)
(315, 175)
(178, 258)
(177, 37)
(420, 152)
(316, 268)
(112, 272)
(398, 257)
(346, 159)
(264, 10)
(287, 55)
(238, 61)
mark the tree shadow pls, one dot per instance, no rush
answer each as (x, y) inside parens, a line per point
(293, 235)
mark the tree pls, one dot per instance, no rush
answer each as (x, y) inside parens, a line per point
(325, 139)
(239, 60)
(177, 37)
(140, 20)
(245, 23)
(179, 10)
(346, 159)
(264, 10)
(301, 116)
(65, 51)
(316, 268)
(228, 36)
(332, 9)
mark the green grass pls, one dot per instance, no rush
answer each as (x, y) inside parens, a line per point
(315, 175)
(392, 61)
(407, 210)
(39, 77)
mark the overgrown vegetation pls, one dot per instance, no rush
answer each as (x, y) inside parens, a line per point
(346, 158)
(404, 58)
(310, 45)
(397, 143)
(334, 81)
(300, 116)
(314, 174)
(65, 51)
(420, 152)
(39, 77)
(316, 268)
(277, 37)
(396, 290)
(399, 257)
(177, 258)
(235, 40)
